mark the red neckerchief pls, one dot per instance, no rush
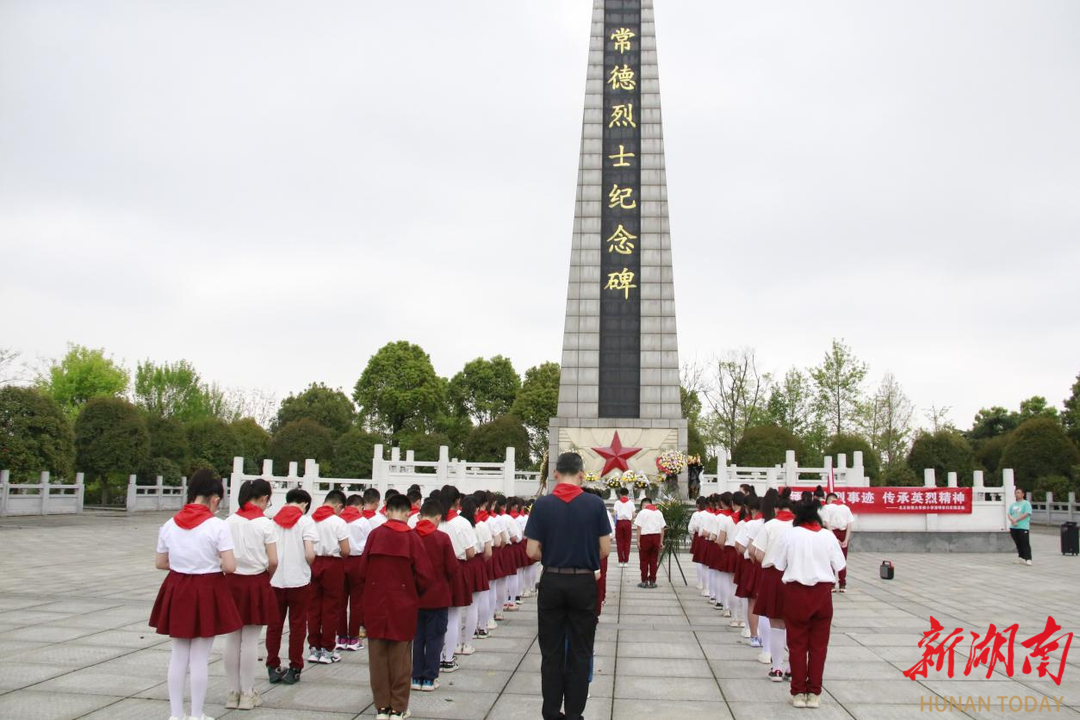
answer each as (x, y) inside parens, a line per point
(757, 516)
(811, 526)
(367, 514)
(382, 511)
(250, 512)
(836, 502)
(397, 526)
(502, 512)
(728, 513)
(650, 506)
(414, 510)
(515, 514)
(322, 513)
(425, 527)
(481, 516)
(624, 499)
(566, 492)
(351, 514)
(822, 502)
(192, 516)
(451, 514)
(287, 516)
(785, 515)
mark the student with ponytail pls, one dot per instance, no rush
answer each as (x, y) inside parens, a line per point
(769, 591)
(810, 559)
(255, 541)
(194, 604)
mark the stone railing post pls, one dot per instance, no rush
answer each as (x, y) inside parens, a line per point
(442, 472)
(183, 490)
(1072, 505)
(791, 469)
(44, 492)
(509, 471)
(5, 481)
(234, 483)
(80, 492)
(951, 480)
(1008, 482)
(159, 490)
(929, 478)
(721, 470)
(131, 496)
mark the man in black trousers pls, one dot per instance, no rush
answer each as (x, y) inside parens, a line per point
(569, 532)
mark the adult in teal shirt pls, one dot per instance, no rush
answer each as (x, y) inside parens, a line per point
(1019, 526)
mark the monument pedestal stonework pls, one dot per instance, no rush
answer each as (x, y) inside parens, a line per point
(620, 359)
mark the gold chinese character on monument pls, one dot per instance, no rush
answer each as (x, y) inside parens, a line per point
(621, 198)
(621, 241)
(622, 78)
(621, 281)
(621, 39)
(620, 157)
(622, 115)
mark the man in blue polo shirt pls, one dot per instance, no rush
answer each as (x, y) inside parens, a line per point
(569, 532)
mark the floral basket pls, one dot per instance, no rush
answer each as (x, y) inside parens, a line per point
(671, 462)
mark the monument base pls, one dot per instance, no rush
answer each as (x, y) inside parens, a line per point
(886, 542)
(649, 437)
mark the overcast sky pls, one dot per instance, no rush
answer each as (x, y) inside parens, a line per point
(274, 190)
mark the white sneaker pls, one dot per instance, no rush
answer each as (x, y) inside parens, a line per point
(726, 613)
(1027, 562)
(798, 700)
(491, 625)
(764, 658)
(232, 701)
(313, 655)
(700, 586)
(734, 623)
(812, 700)
(465, 650)
(745, 632)
(704, 593)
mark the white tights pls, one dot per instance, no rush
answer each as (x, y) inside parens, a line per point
(453, 633)
(472, 614)
(490, 604)
(500, 594)
(483, 604)
(189, 656)
(777, 641)
(241, 658)
(513, 588)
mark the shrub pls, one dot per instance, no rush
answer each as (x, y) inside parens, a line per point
(900, 475)
(168, 439)
(848, 444)
(765, 446)
(111, 442)
(1039, 448)
(253, 444)
(488, 442)
(214, 442)
(35, 435)
(166, 468)
(354, 452)
(301, 440)
(1059, 485)
(946, 451)
(988, 453)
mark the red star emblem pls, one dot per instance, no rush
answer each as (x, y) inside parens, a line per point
(615, 455)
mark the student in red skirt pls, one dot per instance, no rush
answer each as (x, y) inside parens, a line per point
(350, 619)
(327, 579)
(709, 549)
(194, 604)
(724, 566)
(693, 528)
(255, 541)
(624, 526)
(769, 598)
(296, 538)
(485, 530)
(747, 573)
(839, 520)
(434, 600)
(473, 579)
(463, 539)
(395, 570)
(809, 558)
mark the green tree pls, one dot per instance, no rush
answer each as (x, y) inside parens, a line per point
(171, 390)
(848, 444)
(1070, 418)
(1039, 448)
(35, 435)
(488, 442)
(946, 451)
(791, 403)
(83, 373)
(253, 443)
(168, 439)
(484, 389)
(213, 443)
(765, 446)
(168, 470)
(886, 420)
(988, 453)
(354, 453)
(900, 475)
(330, 408)
(537, 402)
(1036, 407)
(399, 387)
(302, 440)
(838, 387)
(111, 442)
(738, 393)
(425, 446)
(456, 430)
(992, 422)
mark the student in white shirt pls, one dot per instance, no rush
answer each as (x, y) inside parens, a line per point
(769, 592)
(296, 538)
(624, 518)
(463, 540)
(327, 579)
(255, 541)
(810, 558)
(725, 580)
(748, 568)
(350, 628)
(194, 603)
(693, 528)
(483, 597)
(738, 517)
(839, 519)
(650, 526)
(371, 508)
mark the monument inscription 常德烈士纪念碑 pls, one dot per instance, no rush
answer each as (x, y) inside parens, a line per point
(620, 361)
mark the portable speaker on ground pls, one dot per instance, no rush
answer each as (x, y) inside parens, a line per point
(887, 570)
(1070, 539)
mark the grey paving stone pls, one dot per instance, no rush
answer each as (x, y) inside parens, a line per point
(670, 667)
(33, 705)
(15, 675)
(829, 710)
(655, 709)
(452, 706)
(93, 681)
(629, 687)
(902, 691)
(525, 707)
(659, 650)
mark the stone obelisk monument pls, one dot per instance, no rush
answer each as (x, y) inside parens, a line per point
(619, 400)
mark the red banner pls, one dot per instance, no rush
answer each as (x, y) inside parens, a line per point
(904, 499)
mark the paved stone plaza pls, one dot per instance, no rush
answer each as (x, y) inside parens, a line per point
(75, 594)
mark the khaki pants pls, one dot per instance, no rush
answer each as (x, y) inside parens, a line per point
(390, 665)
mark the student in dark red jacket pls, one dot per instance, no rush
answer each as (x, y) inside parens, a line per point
(435, 600)
(395, 570)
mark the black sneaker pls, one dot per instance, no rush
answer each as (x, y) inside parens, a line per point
(448, 667)
(291, 676)
(643, 584)
(276, 674)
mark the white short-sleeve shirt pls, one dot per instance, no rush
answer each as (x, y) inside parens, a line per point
(724, 524)
(651, 522)
(196, 551)
(359, 529)
(769, 538)
(837, 516)
(809, 557)
(332, 531)
(250, 538)
(376, 520)
(462, 535)
(293, 569)
(749, 531)
(413, 519)
(483, 535)
(624, 510)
